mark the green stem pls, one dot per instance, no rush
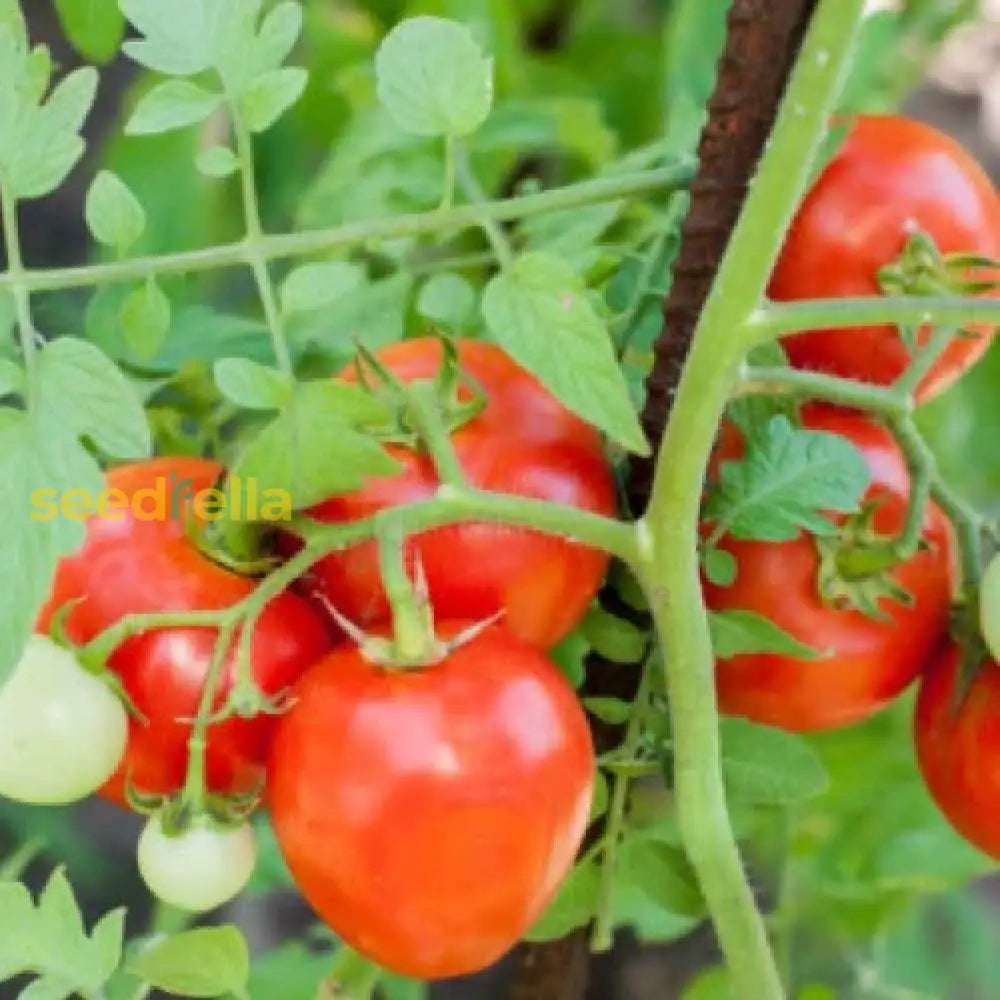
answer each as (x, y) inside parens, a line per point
(103, 645)
(412, 626)
(778, 318)
(473, 191)
(352, 977)
(450, 156)
(669, 567)
(969, 527)
(255, 241)
(285, 245)
(760, 381)
(16, 281)
(425, 414)
(602, 938)
(195, 790)
(925, 359)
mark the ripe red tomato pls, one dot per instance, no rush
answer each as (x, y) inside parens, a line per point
(430, 815)
(129, 565)
(891, 177)
(525, 443)
(868, 662)
(958, 745)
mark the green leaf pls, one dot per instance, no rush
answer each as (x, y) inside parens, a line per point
(178, 40)
(40, 143)
(94, 27)
(720, 567)
(113, 213)
(713, 984)
(217, 161)
(433, 78)
(928, 859)
(49, 941)
(316, 286)
(170, 105)
(787, 482)
(278, 34)
(613, 711)
(145, 319)
(251, 385)
(271, 95)
(207, 962)
(314, 448)
(574, 905)
(614, 638)
(738, 633)
(12, 379)
(448, 300)
(660, 872)
(288, 972)
(570, 656)
(768, 766)
(538, 311)
(82, 388)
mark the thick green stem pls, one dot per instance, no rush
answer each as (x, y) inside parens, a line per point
(412, 625)
(669, 569)
(255, 241)
(778, 318)
(16, 281)
(425, 413)
(285, 245)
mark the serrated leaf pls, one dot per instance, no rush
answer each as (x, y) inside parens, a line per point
(207, 962)
(448, 300)
(314, 448)
(94, 27)
(171, 105)
(538, 311)
(40, 143)
(660, 872)
(81, 386)
(217, 161)
(144, 317)
(574, 905)
(49, 941)
(177, 42)
(251, 385)
(768, 766)
(433, 78)
(269, 96)
(614, 638)
(738, 633)
(113, 213)
(315, 286)
(788, 480)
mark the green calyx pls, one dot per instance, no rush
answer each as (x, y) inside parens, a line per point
(856, 566)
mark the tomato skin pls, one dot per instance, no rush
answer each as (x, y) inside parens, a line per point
(870, 662)
(524, 443)
(891, 176)
(133, 566)
(958, 750)
(396, 798)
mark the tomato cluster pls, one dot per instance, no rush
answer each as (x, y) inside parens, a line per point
(391, 787)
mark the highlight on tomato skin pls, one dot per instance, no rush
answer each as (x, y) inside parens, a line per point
(891, 178)
(132, 565)
(864, 663)
(524, 443)
(958, 746)
(400, 798)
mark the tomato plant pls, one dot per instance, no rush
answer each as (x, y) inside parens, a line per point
(524, 442)
(892, 178)
(856, 660)
(496, 763)
(133, 564)
(433, 341)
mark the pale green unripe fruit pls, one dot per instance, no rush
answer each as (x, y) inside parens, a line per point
(199, 870)
(63, 732)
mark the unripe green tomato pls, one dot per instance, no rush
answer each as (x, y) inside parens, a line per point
(62, 730)
(989, 607)
(198, 870)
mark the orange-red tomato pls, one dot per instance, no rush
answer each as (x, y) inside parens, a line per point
(958, 747)
(132, 565)
(865, 663)
(430, 815)
(891, 177)
(524, 443)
